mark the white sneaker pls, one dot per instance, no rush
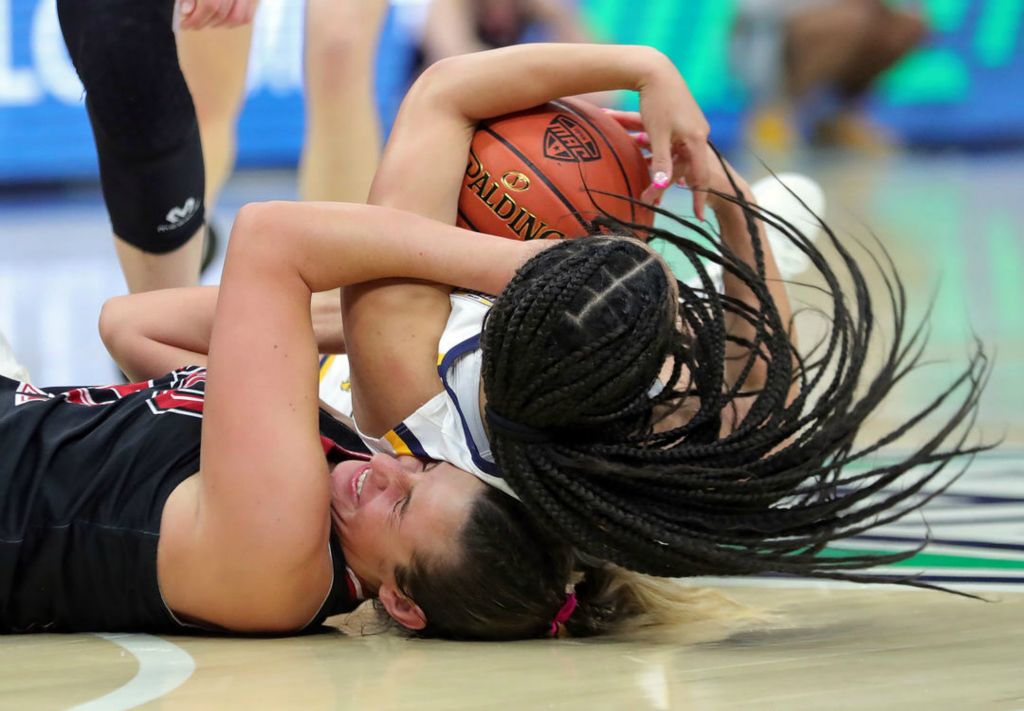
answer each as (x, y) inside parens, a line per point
(9, 366)
(782, 195)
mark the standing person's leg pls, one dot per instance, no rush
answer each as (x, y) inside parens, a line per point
(342, 144)
(893, 33)
(147, 139)
(214, 62)
(848, 44)
(834, 55)
(821, 43)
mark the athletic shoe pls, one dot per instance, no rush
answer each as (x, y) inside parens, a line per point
(798, 200)
(9, 366)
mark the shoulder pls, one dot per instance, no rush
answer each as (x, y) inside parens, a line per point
(251, 595)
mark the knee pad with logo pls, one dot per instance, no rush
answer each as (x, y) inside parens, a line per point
(143, 119)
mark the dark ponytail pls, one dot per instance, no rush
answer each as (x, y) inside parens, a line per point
(510, 579)
(507, 581)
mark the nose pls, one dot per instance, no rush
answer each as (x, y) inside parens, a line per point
(386, 471)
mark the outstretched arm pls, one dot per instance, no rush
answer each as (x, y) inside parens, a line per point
(741, 241)
(738, 238)
(153, 332)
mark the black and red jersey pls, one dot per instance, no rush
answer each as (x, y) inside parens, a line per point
(84, 476)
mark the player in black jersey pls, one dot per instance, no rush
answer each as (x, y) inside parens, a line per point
(205, 498)
(86, 475)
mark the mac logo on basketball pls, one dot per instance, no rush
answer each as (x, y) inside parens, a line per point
(515, 181)
(567, 140)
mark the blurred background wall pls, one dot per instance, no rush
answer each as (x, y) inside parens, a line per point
(964, 87)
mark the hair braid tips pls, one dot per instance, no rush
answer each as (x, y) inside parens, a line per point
(573, 349)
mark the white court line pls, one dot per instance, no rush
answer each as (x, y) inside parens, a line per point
(163, 667)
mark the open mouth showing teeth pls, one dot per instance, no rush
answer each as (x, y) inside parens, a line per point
(360, 482)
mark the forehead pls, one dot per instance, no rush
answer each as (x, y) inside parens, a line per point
(439, 506)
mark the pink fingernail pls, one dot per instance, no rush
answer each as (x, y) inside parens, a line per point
(681, 183)
(661, 180)
(642, 137)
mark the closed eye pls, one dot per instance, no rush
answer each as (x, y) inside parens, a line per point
(402, 505)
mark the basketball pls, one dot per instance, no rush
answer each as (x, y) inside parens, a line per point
(550, 171)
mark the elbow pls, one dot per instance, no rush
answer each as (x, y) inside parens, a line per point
(281, 224)
(254, 219)
(434, 85)
(443, 68)
(257, 231)
(114, 324)
(121, 329)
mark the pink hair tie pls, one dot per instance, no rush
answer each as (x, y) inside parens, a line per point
(564, 613)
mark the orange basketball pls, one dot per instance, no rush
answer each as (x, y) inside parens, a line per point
(529, 173)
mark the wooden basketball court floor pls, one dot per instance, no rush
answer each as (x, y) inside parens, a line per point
(951, 222)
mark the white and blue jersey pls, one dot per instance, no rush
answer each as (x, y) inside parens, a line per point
(449, 426)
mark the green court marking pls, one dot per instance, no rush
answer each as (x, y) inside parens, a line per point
(931, 560)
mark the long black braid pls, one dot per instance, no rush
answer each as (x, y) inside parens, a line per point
(572, 352)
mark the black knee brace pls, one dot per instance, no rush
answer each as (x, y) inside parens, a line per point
(143, 120)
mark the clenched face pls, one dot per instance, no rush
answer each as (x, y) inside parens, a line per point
(386, 510)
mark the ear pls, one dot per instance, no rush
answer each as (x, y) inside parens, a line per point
(403, 610)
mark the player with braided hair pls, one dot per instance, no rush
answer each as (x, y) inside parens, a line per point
(750, 473)
(756, 480)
